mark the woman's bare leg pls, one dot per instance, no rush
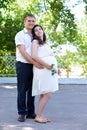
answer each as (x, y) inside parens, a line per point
(42, 103)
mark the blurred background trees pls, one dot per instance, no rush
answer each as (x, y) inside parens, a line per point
(51, 14)
(55, 16)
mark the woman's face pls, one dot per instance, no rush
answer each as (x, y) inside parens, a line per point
(38, 31)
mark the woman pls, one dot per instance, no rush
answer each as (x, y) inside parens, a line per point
(45, 80)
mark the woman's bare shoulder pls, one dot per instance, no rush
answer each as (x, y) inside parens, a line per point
(35, 42)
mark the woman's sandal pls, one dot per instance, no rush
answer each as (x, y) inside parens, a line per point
(40, 121)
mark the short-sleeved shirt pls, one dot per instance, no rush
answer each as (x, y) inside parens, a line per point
(23, 38)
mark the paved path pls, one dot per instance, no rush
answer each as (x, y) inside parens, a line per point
(67, 109)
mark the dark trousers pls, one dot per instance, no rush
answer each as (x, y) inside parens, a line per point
(25, 100)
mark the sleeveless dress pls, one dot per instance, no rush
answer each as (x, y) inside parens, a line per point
(43, 80)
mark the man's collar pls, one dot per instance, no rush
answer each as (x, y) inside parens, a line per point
(25, 30)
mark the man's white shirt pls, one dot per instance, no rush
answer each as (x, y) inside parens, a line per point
(23, 38)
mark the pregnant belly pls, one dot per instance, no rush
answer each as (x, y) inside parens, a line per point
(50, 60)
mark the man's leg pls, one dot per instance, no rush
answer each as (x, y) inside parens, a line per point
(21, 90)
(30, 98)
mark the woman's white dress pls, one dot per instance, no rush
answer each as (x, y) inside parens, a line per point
(43, 80)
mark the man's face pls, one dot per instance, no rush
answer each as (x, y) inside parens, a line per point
(29, 22)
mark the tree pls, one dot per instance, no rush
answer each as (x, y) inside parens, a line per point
(11, 19)
(3, 3)
(50, 14)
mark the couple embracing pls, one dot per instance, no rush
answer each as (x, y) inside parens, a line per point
(37, 71)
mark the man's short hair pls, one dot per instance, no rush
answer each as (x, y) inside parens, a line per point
(29, 15)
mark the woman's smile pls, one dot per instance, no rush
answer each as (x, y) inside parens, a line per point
(38, 31)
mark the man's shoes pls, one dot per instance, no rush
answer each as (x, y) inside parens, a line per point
(31, 116)
(21, 118)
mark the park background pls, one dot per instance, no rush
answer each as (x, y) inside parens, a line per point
(65, 23)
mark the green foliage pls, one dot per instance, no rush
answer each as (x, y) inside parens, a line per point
(85, 68)
(62, 14)
(11, 19)
(51, 14)
(7, 64)
(4, 3)
(72, 59)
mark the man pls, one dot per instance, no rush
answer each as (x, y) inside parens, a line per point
(24, 69)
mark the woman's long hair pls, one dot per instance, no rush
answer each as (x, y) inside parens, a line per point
(36, 37)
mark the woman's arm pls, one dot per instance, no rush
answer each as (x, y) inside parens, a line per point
(34, 49)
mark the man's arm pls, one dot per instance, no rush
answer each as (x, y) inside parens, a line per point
(27, 57)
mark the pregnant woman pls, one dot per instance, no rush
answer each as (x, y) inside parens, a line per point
(45, 81)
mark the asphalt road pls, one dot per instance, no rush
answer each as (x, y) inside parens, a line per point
(67, 109)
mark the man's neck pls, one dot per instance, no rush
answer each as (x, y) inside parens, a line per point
(29, 30)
